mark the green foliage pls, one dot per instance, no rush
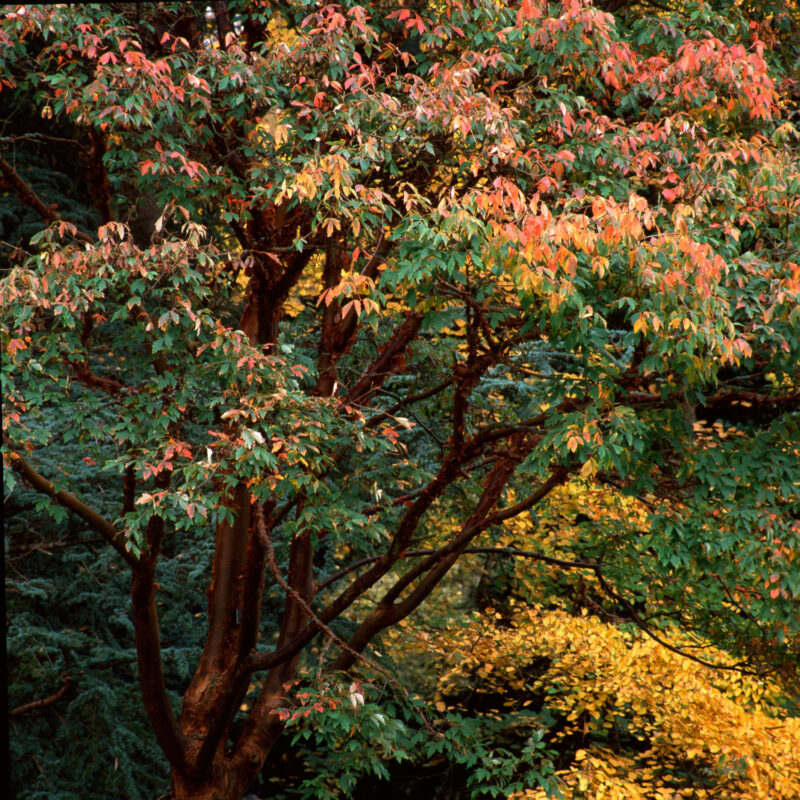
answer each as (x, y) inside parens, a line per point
(69, 626)
(343, 740)
(51, 162)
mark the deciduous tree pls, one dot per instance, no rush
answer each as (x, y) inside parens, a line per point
(372, 281)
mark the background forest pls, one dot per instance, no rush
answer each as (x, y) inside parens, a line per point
(402, 399)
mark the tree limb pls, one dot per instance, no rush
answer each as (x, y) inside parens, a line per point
(475, 526)
(389, 360)
(389, 611)
(303, 603)
(148, 651)
(448, 472)
(113, 536)
(739, 666)
(30, 198)
(512, 552)
(35, 705)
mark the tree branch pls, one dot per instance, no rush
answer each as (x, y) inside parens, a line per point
(302, 602)
(388, 611)
(739, 666)
(112, 535)
(254, 580)
(30, 198)
(148, 651)
(389, 360)
(512, 552)
(448, 472)
(35, 705)
(474, 527)
(408, 400)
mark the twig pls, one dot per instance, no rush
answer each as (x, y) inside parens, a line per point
(34, 137)
(502, 551)
(412, 398)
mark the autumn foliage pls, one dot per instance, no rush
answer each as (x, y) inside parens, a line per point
(637, 720)
(353, 295)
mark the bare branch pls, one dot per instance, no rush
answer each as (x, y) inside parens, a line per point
(739, 666)
(448, 472)
(477, 523)
(412, 398)
(512, 552)
(389, 360)
(390, 609)
(36, 705)
(295, 595)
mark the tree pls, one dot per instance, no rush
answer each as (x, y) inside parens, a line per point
(373, 281)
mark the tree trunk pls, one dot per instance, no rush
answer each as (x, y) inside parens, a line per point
(232, 771)
(217, 787)
(222, 784)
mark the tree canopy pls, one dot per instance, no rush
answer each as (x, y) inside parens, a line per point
(317, 304)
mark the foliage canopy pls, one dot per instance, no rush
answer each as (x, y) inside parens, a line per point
(365, 291)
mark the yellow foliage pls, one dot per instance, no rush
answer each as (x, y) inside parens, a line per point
(651, 723)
